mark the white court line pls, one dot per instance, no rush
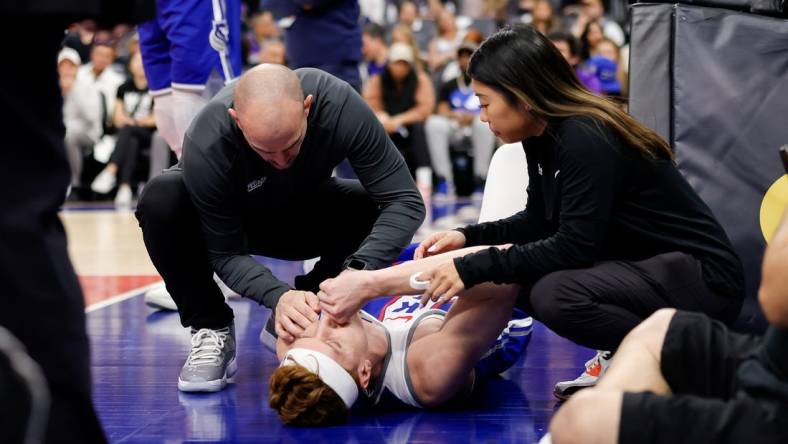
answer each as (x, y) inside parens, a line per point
(121, 297)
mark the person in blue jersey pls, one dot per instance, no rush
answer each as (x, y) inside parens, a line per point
(181, 47)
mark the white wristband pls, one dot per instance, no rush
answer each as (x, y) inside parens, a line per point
(417, 284)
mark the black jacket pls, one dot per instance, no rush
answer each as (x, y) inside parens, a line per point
(592, 199)
(227, 180)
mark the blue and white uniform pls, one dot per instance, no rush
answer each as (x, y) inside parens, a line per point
(187, 40)
(400, 316)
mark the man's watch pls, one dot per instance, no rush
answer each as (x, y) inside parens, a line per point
(356, 264)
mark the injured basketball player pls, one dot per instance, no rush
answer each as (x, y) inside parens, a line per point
(408, 347)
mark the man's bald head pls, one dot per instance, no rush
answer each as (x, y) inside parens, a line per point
(266, 84)
(270, 109)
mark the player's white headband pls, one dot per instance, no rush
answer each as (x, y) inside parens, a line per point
(327, 369)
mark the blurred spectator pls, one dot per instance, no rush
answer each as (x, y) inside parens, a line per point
(458, 118)
(131, 46)
(264, 30)
(68, 62)
(443, 48)
(473, 35)
(474, 9)
(274, 52)
(86, 110)
(525, 9)
(569, 48)
(403, 34)
(374, 49)
(402, 97)
(608, 49)
(589, 38)
(373, 11)
(408, 14)
(125, 44)
(325, 34)
(604, 64)
(543, 17)
(80, 38)
(594, 11)
(136, 123)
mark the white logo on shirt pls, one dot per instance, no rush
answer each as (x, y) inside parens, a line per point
(255, 184)
(540, 168)
(555, 176)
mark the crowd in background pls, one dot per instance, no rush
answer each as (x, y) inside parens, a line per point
(413, 53)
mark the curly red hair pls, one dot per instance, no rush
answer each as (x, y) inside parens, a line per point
(301, 398)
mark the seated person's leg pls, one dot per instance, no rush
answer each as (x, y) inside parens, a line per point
(441, 364)
(685, 363)
(483, 141)
(77, 144)
(438, 129)
(609, 416)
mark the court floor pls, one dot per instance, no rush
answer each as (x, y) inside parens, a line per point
(137, 354)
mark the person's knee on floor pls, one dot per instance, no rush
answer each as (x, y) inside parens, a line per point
(589, 417)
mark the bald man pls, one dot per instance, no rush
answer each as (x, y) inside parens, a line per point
(255, 178)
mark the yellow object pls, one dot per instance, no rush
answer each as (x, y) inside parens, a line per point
(772, 207)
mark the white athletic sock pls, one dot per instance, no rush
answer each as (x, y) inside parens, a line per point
(165, 123)
(187, 105)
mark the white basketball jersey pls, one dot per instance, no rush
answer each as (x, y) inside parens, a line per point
(399, 318)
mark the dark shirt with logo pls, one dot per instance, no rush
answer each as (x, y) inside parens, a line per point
(592, 199)
(227, 180)
(137, 103)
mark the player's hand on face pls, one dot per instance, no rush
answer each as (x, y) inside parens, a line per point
(343, 296)
(445, 283)
(295, 311)
(439, 242)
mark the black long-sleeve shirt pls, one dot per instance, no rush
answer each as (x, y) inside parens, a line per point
(226, 180)
(591, 199)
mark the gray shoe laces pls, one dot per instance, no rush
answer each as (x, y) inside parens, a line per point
(207, 347)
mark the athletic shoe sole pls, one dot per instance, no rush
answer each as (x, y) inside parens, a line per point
(567, 393)
(209, 386)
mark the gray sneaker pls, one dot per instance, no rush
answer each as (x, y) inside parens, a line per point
(211, 361)
(268, 334)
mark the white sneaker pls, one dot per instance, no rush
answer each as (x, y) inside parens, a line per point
(159, 298)
(595, 368)
(104, 182)
(124, 196)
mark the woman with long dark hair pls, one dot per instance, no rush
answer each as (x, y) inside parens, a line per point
(612, 231)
